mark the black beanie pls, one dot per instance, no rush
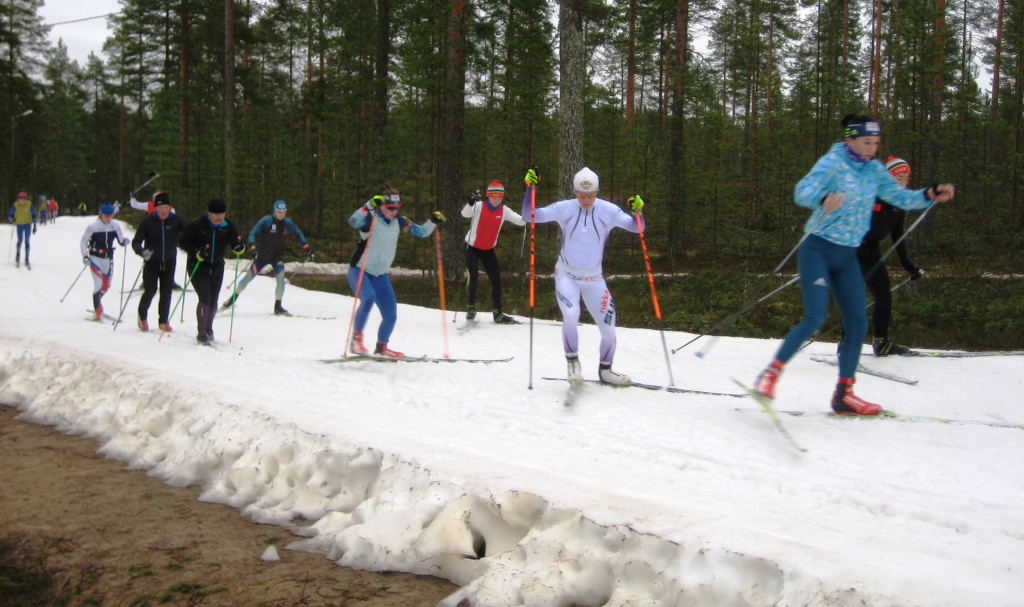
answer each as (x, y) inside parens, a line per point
(217, 205)
(161, 198)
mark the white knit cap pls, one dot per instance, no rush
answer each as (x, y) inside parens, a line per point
(585, 181)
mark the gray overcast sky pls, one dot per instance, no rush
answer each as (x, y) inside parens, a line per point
(83, 37)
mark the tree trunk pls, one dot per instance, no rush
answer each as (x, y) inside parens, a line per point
(229, 100)
(379, 124)
(183, 102)
(631, 66)
(677, 157)
(450, 179)
(573, 71)
(996, 59)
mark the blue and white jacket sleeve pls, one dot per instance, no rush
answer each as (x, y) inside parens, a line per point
(360, 219)
(817, 184)
(420, 231)
(259, 227)
(897, 195)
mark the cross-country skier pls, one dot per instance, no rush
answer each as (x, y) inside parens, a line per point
(53, 210)
(98, 253)
(842, 185)
(371, 261)
(43, 210)
(156, 241)
(886, 222)
(586, 222)
(273, 229)
(486, 219)
(23, 216)
(205, 239)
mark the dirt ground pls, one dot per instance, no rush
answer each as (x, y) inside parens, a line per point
(105, 535)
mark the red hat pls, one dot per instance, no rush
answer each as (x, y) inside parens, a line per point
(22, 195)
(897, 165)
(495, 189)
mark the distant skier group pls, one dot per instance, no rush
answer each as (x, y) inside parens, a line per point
(855, 203)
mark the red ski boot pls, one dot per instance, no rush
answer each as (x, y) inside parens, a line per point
(382, 350)
(765, 382)
(356, 345)
(845, 402)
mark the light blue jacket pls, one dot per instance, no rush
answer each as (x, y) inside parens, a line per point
(862, 182)
(380, 253)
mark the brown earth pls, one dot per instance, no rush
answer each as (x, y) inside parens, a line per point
(103, 535)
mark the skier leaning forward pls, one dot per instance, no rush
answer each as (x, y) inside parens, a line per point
(379, 214)
(585, 221)
(273, 230)
(98, 253)
(840, 190)
(205, 239)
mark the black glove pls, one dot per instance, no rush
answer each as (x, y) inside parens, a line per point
(916, 273)
(308, 250)
(374, 202)
(239, 247)
(203, 254)
(475, 198)
(253, 249)
(438, 217)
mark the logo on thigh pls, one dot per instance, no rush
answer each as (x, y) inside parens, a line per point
(562, 298)
(608, 308)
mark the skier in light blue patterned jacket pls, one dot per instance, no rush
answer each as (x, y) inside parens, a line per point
(841, 190)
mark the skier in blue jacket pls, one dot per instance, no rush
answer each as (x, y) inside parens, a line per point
(273, 230)
(841, 190)
(379, 226)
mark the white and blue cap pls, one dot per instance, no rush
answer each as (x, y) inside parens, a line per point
(585, 181)
(280, 206)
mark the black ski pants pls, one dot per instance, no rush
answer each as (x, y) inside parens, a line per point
(489, 258)
(879, 285)
(154, 273)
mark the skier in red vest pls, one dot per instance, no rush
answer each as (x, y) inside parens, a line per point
(486, 219)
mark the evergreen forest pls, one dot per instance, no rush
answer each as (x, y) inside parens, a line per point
(712, 110)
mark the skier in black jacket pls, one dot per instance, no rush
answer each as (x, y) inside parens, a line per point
(156, 241)
(886, 222)
(205, 239)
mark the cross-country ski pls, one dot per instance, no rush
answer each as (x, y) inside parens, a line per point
(414, 359)
(655, 388)
(768, 407)
(831, 360)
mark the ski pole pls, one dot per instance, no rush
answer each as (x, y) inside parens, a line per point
(73, 283)
(234, 292)
(124, 306)
(152, 176)
(750, 302)
(180, 299)
(881, 260)
(124, 268)
(359, 283)
(440, 284)
(299, 267)
(533, 260)
(654, 297)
